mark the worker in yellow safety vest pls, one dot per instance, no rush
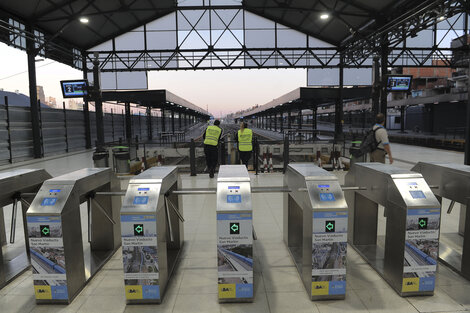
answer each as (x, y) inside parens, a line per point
(211, 137)
(245, 143)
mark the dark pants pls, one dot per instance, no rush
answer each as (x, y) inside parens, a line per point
(245, 157)
(212, 157)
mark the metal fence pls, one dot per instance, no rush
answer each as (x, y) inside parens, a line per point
(64, 130)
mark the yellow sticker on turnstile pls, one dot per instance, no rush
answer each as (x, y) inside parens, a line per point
(320, 288)
(133, 292)
(43, 292)
(227, 291)
(410, 284)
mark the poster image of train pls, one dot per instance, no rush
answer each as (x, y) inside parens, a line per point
(420, 258)
(48, 264)
(329, 261)
(140, 265)
(235, 264)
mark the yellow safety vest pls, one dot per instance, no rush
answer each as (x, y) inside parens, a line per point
(245, 140)
(212, 135)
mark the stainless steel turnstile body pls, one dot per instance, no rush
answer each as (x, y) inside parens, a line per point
(16, 186)
(62, 264)
(452, 182)
(152, 233)
(315, 229)
(407, 256)
(234, 234)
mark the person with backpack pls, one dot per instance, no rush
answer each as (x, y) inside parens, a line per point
(381, 138)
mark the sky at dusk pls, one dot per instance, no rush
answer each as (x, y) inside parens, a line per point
(222, 91)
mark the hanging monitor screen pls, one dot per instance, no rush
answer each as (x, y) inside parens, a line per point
(74, 88)
(399, 82)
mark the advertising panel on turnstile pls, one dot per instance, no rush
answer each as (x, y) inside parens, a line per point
(46, 246)
(139, 244)
(329, 241)
(234, 234)
(422, 238)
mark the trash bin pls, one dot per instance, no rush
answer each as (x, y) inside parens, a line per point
(122, 158)
(100, 159)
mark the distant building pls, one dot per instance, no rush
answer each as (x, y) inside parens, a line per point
(16, 99)
(52, 102)
(41, 95)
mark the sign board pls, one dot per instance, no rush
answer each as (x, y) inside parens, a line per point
(235, 255)
(74, 88)
(139, 252)
(329, 246)
(421, 249)
(399, 83)
(46, 245)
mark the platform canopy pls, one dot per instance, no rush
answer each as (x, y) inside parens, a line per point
(307, 98)
(162, 99)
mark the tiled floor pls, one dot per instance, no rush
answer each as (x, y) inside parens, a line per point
(278, 288)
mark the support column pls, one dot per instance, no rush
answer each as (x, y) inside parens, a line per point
(314, 117)
(282, 122)
(163, 119)
(179, 120)
(339, 102)
(288, 119)
(86, 111)
(172, 121)
(402, 118)
(376, 87)
(275, 122)
(148, 119)
(127, 107)
(384, 92)
(467, 129)
(299, 124)
(33, 97)
(98, 106)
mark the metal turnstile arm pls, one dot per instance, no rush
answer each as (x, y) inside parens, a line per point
(451, 206)
(175, 209)
(98, 205)
(168, 220)
(14, 213)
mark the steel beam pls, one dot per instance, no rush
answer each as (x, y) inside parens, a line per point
(127, 107)
(86, 112)
(148, 113)
(98, 106)
(33, 97)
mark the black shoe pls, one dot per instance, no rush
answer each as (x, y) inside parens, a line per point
(211, 174)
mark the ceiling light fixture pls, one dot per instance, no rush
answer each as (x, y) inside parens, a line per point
(442, 17)
(84, 20)
(324, 16)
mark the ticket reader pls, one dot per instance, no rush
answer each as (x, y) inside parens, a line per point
(17, 187)
(406, 257)
(152, 233)
(234, 234)
(61, 260)
(315, 229)
(452, 182)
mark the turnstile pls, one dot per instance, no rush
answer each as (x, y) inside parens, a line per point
(62, 263)
(152, 233)
(315, 229)
(406, 257)
(234, 234)
(452, 182)
(16, 186)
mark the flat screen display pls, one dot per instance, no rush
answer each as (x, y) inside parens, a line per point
(399, 82)
(417, 194)
(74, 88)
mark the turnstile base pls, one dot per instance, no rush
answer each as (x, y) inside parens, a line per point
(450, 252)
(236, 300)
(13, 268)
(374, 256)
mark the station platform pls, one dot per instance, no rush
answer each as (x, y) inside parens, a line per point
(278, 287)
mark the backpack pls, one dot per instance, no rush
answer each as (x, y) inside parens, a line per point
(369, 143)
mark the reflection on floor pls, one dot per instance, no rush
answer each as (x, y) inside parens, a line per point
(278, 288)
